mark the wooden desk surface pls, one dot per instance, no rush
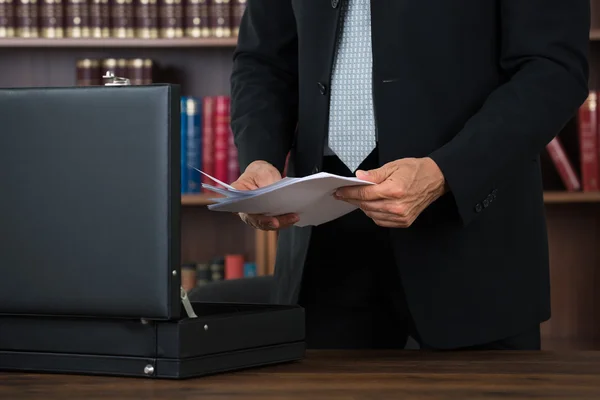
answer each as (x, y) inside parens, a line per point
(336, 375)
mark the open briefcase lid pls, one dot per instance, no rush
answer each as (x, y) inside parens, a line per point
(90, 202)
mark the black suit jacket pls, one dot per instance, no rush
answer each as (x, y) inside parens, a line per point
(480, 87)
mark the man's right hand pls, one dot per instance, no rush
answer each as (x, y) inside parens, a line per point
(259, 174)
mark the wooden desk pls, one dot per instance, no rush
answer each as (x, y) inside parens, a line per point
(330, 375)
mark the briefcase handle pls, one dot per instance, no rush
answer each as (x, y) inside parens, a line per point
(111, 80)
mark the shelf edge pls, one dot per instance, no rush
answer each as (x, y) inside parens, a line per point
(115, 42)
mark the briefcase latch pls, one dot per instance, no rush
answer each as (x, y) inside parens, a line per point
(187, 305)
(111, 80)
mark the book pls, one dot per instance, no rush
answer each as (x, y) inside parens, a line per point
(51, 19)
(587, 129)
(77, 19)
(193, 138)
(124, 19)
(563, 165)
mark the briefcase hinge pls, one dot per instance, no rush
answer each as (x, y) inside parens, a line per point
(111, 80)
(187, 305)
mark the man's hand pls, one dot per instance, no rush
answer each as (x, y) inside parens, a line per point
(402, 190)
(259, 174)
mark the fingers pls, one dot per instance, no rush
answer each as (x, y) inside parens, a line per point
(257, 174)
(358, 193)
(387, 213)
(382, 206)
(261, 173)
(266, 223)
(243, 183)
(377, 175)
(386, 190)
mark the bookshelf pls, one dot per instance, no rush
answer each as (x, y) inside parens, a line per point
(202, 66)
(195, 200)
(117, 43)
(561, 197)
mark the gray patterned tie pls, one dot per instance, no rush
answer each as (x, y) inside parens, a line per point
(352, 135)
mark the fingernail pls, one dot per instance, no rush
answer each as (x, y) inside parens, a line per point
(361, 172)
(272, 225)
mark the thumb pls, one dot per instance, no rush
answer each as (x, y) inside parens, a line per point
(266, 176)
(243, 183)
(256, 175)
(377, 175)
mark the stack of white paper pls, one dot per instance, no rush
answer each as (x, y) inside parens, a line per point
(310, 197)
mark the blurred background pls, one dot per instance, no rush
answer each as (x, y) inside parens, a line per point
(191, 42)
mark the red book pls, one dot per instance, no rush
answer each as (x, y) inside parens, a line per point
(208, 136)
(563, 165)
(234, 266)
(221, 139)
(588, 143)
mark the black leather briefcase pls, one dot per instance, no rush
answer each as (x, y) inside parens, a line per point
(90, 278)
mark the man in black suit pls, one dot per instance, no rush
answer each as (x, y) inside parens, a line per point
(445, 105)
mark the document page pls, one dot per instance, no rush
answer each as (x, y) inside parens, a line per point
(310, 197)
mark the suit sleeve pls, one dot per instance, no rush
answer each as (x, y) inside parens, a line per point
(264, 83)
(544, 51)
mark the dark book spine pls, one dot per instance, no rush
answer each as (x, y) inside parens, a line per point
(202, 274)
(237, 12)
(100, 18)
(148, 72)
(220, 18)
(197, 22)
(88, 72)
(170, 22)
(26, 21)
(135, 71)
(217, 269)
(183, 143)
(77, 19)
(194, 144)
(146, 19)
(51, 19)
(7, 19)
(109, 64)
(122, 68)
(121, 19)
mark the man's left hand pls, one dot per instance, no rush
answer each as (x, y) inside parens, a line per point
(402, 190)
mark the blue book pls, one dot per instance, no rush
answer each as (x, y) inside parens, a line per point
(183, 139)
(194, 144)
(249, 269)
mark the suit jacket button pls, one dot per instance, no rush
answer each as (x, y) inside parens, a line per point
(315, 170)
(335, 3)
(486, 203)
(322, 88)
(478, 207)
